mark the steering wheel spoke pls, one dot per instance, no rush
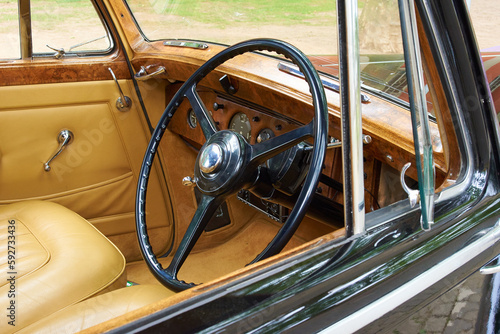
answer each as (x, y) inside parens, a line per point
(267, 149)
(206, 208)
(206, 121)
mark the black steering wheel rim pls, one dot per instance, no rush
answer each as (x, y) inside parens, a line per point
(252, 156)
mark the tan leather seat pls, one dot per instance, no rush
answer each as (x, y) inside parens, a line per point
(56, 259)
(99, 309)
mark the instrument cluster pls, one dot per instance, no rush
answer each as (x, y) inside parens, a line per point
(254, 123)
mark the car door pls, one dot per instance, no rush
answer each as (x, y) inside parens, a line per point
(369, 281)
(65, 76)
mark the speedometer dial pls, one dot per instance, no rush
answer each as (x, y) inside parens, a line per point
(241, 124)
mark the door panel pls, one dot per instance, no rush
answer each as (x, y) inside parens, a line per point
(96, 175)
(31, 138)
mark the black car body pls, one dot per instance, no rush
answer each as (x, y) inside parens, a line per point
(348, 279)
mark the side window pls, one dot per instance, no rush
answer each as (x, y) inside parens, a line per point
(381, 49)
(382, 65)
(73, 25)
(9, 30)
(484, 17)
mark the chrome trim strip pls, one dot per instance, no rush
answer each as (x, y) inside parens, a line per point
(329, 85)
(405, 292)
(351, 112)
(186, 44)
(418, 108)
(356, 153)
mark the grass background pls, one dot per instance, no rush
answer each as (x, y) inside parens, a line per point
(255, 11)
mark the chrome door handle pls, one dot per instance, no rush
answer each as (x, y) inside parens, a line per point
(64, 138)
(143, 75)
(491, 267)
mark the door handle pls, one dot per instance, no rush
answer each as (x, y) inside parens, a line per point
(493, 266)
(143, 74)
(64, 138)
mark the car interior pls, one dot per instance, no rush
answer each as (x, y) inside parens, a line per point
(74, 136)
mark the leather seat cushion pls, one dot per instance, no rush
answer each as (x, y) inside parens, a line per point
(60, 259)
(99, 309)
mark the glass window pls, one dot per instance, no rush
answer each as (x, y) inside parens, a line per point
(484, 16)
(9, 30)
(310, 25)
(72, 25)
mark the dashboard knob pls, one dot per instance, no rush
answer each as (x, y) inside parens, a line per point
(218, 106)
(188, 181)
(264, 135)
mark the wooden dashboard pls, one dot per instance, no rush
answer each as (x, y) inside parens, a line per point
(256, 122)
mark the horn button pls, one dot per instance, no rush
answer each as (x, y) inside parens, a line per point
(211, 158)
(220, 162)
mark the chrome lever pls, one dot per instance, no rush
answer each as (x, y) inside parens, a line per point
(59, 52)
(189, 181)
(490, 269)
(413, 194)
(64, 138)
(143, 75)
(334, 143)
(123, 103)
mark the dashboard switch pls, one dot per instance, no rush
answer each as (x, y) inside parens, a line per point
(218, 106)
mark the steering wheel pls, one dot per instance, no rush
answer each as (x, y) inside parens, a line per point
(227, 163)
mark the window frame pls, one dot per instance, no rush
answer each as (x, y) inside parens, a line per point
(26, 35)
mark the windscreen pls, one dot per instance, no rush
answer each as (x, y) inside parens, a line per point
(310, 25)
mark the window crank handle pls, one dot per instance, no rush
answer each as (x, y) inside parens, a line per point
(64, 138)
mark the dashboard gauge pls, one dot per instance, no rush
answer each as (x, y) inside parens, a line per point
(192, 120)
(241, 124)
(264, 135)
